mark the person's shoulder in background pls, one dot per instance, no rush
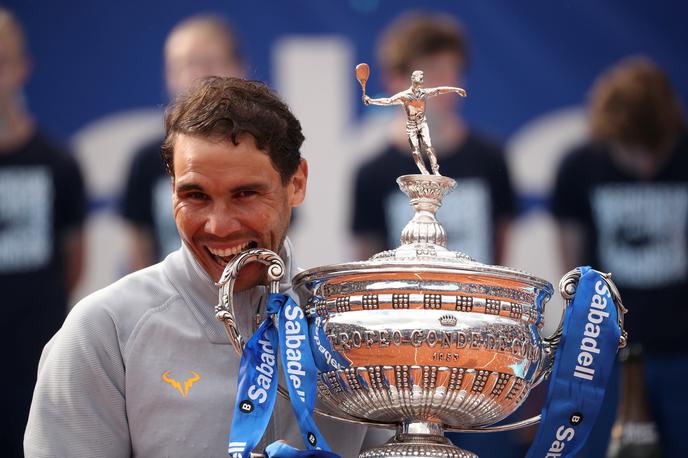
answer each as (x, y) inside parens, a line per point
(146, 167)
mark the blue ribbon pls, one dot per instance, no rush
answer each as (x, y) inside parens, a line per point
(326, 359)
(257, 387)
(582, 366)
(282, 450)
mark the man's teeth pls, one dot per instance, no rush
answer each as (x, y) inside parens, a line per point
(227, 252)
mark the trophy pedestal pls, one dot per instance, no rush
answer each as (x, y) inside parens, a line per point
(418, 439)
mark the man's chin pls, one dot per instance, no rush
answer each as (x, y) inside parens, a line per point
(251, 275)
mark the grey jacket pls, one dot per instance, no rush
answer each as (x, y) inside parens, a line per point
(143, 368)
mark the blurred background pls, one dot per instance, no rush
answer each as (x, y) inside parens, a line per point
(97, 86)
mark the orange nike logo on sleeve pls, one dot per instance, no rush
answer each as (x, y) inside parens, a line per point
(184, 391)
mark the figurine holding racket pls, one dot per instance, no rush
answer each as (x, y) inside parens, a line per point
(413, 99)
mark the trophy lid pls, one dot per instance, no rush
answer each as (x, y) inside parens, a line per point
(423, 244)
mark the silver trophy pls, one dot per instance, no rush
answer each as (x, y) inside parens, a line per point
(427, 340)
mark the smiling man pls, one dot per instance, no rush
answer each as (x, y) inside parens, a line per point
(142, 367)
(236, 172)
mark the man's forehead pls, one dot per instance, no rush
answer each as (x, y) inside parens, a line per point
(11, 38)
(189, 148)
(218, 138)
(194, 35)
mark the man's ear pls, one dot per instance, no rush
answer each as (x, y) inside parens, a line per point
(297, 184)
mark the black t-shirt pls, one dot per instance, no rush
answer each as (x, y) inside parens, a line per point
(469, 214)
(41, 199)
(147, 201)
(637, 230)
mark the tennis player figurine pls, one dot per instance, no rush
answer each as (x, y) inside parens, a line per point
(413, 99)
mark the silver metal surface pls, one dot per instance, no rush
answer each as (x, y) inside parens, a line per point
(224, 310)
(418, 439)
(414, 100)
(430, 343)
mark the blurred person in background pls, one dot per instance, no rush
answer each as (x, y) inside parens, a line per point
(621, 201)
(42, 210)
(477, 213)
(199, 46)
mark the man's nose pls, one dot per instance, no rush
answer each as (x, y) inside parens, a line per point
(222, 221)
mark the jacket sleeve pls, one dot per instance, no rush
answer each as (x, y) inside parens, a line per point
(78, 407)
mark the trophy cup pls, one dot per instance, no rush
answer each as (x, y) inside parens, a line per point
(421, 338)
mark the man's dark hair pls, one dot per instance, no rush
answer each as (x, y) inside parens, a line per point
(417, 34)
(633, 103)
(226, 108)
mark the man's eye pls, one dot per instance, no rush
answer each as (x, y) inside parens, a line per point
(245, 194)
(197, 196)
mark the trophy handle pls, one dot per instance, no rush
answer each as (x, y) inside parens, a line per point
(567, 289)
(224, 310)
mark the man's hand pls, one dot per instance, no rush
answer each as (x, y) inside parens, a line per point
(461, 92)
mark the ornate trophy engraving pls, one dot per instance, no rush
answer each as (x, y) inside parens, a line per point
(422, 338)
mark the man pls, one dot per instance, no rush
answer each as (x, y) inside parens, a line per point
(413, 99)
(42, 209)
(142, 367)
(621, 201)
(477, 213)
(199, 46)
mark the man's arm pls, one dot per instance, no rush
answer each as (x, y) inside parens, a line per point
(71, 209)
(73, 249)
(433, 91)
(501, 239)
(396, 99)
(141, 247)
(78, 407)
(569, 208)
(571, 238)
(136, 209)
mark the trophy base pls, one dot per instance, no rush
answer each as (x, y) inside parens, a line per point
(429, 441)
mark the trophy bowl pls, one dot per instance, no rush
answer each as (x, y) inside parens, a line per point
(456, 343)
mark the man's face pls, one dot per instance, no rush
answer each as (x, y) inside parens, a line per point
(195, 52)
(14, 67)
(228, 198)
(417, 78)
(441, 69)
